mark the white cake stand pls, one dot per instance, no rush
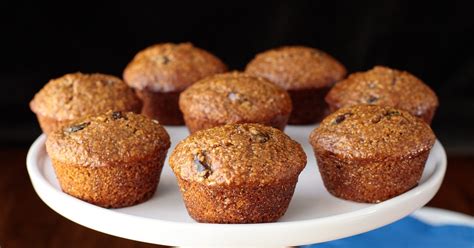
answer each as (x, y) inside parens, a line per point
(313, 215)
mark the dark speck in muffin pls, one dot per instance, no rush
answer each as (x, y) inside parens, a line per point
(258, 136)
(117, 115)
(165, 60)
(341, 118)
(77, 127)
(391, 113)
(372, 99)
(202, 167)
(376, 119)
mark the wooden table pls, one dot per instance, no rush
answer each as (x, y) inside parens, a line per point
(25, 221)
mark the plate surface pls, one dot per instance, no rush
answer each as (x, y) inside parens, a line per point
(313, 215)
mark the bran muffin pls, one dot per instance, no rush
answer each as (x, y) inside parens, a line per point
(385, 86)
(306, 73)
(111, 160)
(370, 153)
(161, 72)
(234, 98)
(237, 173)
(77, 95)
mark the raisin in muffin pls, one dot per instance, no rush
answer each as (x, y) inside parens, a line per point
(161, 72)
(110, 160)
(388, 87)
(306, 73)
(77, 95)
(370, 153)
(234, 98)
(237, 173)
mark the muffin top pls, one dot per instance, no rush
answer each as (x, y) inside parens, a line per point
(170, 67)
(234, 98)
(383, 86)
(112, 138)
(237, 154)
(297, 67)
(372, 132)
(77, 95)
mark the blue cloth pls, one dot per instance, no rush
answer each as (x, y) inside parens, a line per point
(408, 232)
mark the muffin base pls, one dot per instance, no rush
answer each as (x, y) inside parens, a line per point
(239, 204)
(162, 107)
(111, 186)
(309, 105)
(367, 180)
(196, 124)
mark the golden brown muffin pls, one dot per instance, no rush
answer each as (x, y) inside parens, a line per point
(77, 95)
(237, 173)
(234, 98)
(111, 160)
(306, 73)
(370, 153)
(161, 72)
(388, 87)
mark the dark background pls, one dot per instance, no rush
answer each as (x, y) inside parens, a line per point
(433, 40)
(40, 40)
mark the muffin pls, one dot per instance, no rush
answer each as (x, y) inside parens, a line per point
(161, 72)
(77, 95)
(388, 87)
(234, 98)
(111, 160)
(306, 73)
(370, 153)
(237, 173)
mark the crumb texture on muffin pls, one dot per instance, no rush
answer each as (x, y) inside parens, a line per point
(371, 153)
(385, 86)
(237, 173)
(237, 204)
(109, 139)
(77, 95)
(238, 154)
(371, 131)
(170, 67)
(297, 67)
(235, 98)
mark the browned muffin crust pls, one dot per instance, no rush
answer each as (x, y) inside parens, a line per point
(371, 153)
(306, 73)
(77, 95)
(169, 67)
(297, 67)
(237, 173)
(111, 160)
(162, 71)
(234, 98)
(385, 86)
